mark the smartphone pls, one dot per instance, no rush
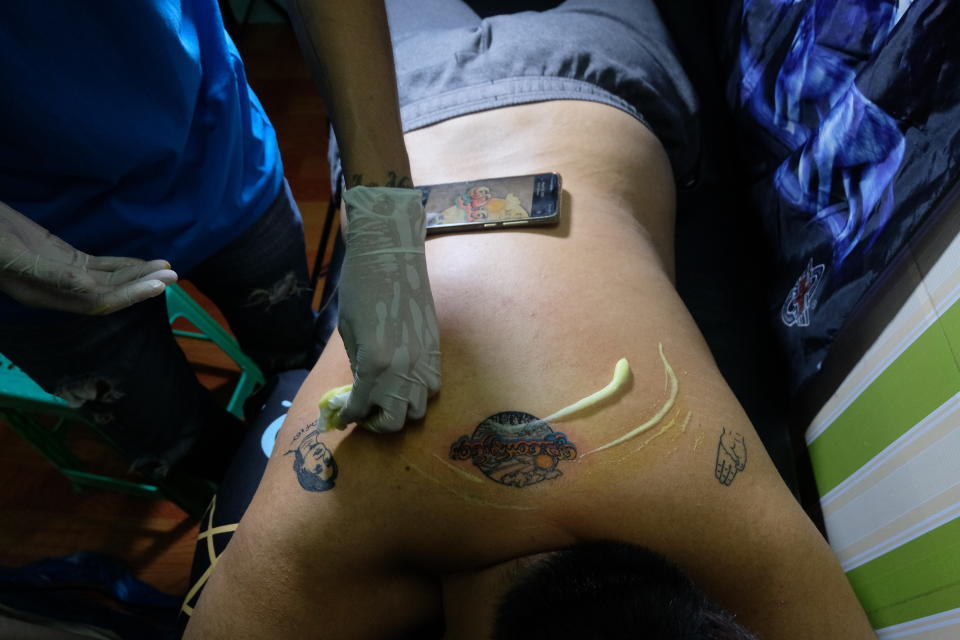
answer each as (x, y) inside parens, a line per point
(493, 203)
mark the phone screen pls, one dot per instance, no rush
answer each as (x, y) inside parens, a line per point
(492, 203)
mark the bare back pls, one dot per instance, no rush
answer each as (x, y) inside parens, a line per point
(530, 322)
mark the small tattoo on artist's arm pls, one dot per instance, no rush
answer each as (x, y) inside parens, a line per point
(515, 449)
(313, 462)
(731, 456)
(393, 180)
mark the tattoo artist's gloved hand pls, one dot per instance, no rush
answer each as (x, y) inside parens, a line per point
(39, 269)
(387, 318)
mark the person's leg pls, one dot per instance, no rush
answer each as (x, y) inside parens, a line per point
(616, 52)
(408, 17)
(260, 283)
(640, 17)
(648, 72)
(488, 8)
(126, 372)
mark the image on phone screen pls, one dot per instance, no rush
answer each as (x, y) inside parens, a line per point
(490, 203)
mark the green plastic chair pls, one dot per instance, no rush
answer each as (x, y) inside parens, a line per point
(181, 305)
(22, 400)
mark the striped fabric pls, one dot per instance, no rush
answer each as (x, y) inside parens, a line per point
(886, 455)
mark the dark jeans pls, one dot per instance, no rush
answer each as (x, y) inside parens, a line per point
(127, 372)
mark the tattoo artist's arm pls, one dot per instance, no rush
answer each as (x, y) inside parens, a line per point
(395, 357)
(347, 43)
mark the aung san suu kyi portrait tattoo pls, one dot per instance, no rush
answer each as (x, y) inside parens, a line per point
(515, 449)
(313, 462)
(731, 456)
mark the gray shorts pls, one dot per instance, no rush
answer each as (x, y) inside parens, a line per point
(450, 62)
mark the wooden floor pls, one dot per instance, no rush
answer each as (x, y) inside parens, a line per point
(40, 515)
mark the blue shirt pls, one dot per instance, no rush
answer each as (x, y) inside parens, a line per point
(127, 128)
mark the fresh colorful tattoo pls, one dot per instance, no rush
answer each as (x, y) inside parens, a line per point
(515, 449)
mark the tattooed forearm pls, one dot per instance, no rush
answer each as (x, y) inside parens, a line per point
(393, 180)
(515, 449)
(731, 456)
(313, 462)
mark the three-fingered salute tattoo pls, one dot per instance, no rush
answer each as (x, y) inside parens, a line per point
(312, 460)
(731, 456)
(515, 449)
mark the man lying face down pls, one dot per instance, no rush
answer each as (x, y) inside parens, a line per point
(552, 490)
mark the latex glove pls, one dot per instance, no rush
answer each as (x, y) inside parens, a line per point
(387, 317)
(39, 269)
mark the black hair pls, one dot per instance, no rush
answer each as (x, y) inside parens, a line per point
(310, 480)
(611, 590)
